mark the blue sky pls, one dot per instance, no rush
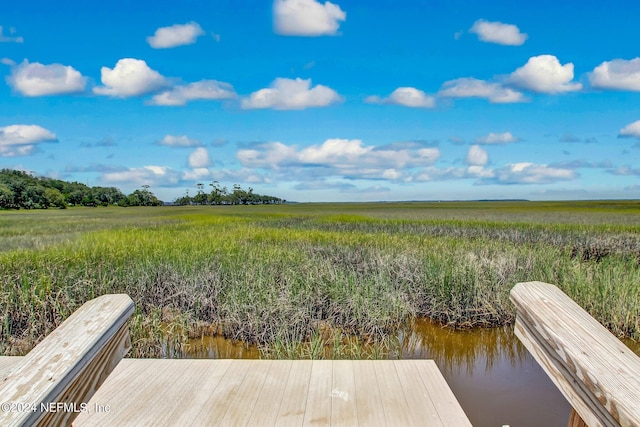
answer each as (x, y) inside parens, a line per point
(349, 100)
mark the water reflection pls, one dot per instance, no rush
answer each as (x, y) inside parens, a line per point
(492, 374)
(218, 347)
(458, 350)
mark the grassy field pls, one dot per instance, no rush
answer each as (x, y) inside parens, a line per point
(295, 278)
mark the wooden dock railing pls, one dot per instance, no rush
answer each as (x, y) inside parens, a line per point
(53, 382)
(597, 374)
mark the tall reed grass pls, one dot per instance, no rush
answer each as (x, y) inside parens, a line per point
(294, 279)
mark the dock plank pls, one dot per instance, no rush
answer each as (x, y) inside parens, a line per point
(368, 397)
(268, 393)
(396, 408)
(293, 406)
(318, 410)
(417, 397)
(272, 394)
(344, 409)
(240, 409)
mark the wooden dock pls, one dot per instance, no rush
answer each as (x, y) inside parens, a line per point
(161, 392)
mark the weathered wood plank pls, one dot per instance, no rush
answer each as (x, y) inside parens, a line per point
(272, 393)
(396, 409)
(196, 392)
(595, 372)
(265, 411)
(7, 363)
(69, 364)
(344, 411)
(442, 398)
(294, 401)
(368, 396)
(318, 409)
(240, 408)
(417, 396)
(227, 390)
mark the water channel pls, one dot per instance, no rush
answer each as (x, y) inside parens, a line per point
(493, 376)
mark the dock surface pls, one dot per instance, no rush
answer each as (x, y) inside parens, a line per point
(162, 392)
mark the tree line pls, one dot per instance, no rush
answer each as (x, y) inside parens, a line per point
(222, 196)
(20, 190)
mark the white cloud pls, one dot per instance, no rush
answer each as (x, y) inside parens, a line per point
(270, 155)
(497, 138)
(197, 174)
(346, 158)
(497, 32)
(477, 156)
(545, 74)
(530, 173)
(617, 74)
(130, 77)
(478, 171)
(240, 175)
(631, 130)
(289, 94)
(35, 79)
(175, 35)
(469, 87)
(162, 176)
(199, 158)
(204, 89)
(9, 39)
(407, 96)
(179, 141)
(306, 18)
(21, 140)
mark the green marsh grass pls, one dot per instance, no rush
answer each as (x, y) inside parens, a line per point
(295, 279)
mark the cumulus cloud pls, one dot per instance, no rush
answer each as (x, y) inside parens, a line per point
(497, 138)
(199, 158)
(618, 74)
(631, 130)
(162, 176)
(477, 156)
(545, 74)
(11, 38)
(130, 77)
(350, 159)
(202, 90)
(529, 173)
(306, 18)
(469, 87)
(289, 94)
(35, 79)
(498, 32)
(21, 140)
(179, 141)
(175, 35)
(407, 96)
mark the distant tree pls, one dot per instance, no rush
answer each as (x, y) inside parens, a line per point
(221, 196)
(21, 190)
(184, 200)
(200, 198)
(55, 198)
(7, 198)
(143, 197)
